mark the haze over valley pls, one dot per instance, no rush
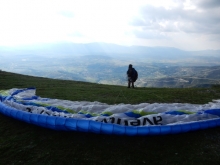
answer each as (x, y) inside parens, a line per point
(107, 64)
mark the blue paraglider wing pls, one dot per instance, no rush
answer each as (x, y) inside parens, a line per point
(22, 104)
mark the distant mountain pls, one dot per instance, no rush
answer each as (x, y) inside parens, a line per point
(113, 50)
(107, 64)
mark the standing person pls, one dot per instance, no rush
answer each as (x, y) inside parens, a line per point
(132, 76)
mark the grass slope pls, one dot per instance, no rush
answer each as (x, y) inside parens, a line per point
(22, 143)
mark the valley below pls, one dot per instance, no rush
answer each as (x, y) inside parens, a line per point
(108, 63)
(106, 70)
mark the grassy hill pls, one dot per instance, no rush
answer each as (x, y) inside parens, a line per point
(22, 143)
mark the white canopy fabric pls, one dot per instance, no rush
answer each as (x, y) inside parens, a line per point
(144, 114)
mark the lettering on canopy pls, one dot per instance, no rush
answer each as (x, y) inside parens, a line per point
(156, 120)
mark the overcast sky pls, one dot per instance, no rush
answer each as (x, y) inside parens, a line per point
(184, 24)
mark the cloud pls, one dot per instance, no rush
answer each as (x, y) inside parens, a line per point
(184, 23)
(67, 14)
(122, 22)
(206, 4)
(75, 34)
(149, 34)
(179, 19)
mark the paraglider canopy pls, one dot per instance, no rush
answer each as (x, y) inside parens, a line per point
(138, 119)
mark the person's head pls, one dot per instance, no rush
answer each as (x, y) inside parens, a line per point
(130, 66)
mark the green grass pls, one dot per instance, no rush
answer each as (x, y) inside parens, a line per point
(22, 143)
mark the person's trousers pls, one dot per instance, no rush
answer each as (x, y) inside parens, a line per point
(130, 83)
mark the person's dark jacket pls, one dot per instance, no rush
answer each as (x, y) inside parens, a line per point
(131, 73)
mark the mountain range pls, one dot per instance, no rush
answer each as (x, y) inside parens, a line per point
(107, 64)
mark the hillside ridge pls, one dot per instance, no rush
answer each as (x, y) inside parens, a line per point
(110, 94)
